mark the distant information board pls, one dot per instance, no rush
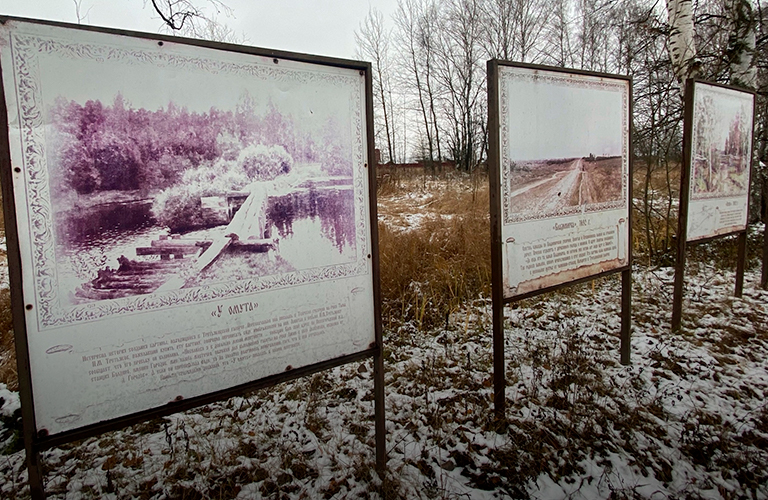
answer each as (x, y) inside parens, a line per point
(564, 176)
(189, 218)
(721, 152)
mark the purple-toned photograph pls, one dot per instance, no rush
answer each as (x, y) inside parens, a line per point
(148, 200)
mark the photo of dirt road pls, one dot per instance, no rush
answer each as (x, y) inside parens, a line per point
(557, 186)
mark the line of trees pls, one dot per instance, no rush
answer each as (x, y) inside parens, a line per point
(430, 88)
(178, 156)
(120, 147)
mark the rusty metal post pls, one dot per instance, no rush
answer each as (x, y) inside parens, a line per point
(626, 316)
(497, 277)
(682, 215)
(741, 263)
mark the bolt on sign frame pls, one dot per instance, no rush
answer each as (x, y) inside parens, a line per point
(718, 135)
(106, 137)
(560, 168)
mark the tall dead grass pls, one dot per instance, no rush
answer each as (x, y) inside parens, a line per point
(8, 375)
(429, 270)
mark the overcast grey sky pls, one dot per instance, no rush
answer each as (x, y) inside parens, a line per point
(323, 27)
(549, 120)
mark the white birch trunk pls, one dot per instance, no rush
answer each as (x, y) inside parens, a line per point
(741, 43)
(682, 47)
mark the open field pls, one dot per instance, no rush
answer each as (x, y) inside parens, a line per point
(688, 419)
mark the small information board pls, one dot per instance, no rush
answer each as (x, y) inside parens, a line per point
(560, 186)
(714, 184)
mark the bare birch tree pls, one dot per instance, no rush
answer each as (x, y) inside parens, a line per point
(741, 43)
(681, 45)
(373, 45)
(558, 47)
(512, 29)
(415, 21)
(196, 19)
(460, 74)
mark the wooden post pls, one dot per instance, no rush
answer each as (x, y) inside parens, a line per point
(682, 216)
(626, 315)
(497, 271)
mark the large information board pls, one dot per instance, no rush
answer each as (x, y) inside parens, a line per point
(720, 160)
(563, 176)
(190, 216)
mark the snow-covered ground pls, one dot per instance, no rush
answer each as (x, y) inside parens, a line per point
(687, 419)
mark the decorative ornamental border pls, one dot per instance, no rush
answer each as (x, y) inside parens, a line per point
(51, 313)
(536, 75)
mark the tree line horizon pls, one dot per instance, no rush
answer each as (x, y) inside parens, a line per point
(430, 91)
(179, 156)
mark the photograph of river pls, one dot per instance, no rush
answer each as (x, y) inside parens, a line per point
(155, 200)
(213, 170)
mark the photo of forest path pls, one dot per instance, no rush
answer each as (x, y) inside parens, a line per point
(149, 201)
(549, 186)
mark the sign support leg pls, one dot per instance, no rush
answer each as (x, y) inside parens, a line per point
(380, 422)
(677, 298)
(740, 264)
(764, 277)
(626, 315)
(499, 376)
(35, 474)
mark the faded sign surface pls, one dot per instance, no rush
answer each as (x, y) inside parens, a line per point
(719, 170)
(189, 219)
(564, 176)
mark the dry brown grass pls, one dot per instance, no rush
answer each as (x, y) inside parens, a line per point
(604, 179)
(8, 375)
(430, 270)
(654, 218)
